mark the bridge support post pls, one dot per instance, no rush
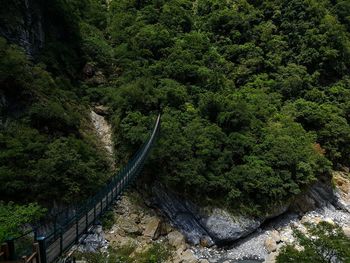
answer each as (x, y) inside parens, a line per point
(42, 249)
(11, 249)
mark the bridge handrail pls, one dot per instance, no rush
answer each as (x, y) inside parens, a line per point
(63, 236)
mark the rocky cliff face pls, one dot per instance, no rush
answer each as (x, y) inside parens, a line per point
(217, 226)
(21, 23)
(205, 226)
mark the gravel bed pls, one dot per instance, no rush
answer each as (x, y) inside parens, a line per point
(253, 246)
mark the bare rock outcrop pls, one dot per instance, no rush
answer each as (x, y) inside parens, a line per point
(104, 132)
(205, 226)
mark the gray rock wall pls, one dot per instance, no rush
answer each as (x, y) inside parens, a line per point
(217, 226)
(21, 23)
(206, 228)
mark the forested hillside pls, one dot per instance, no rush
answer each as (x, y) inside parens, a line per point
(254, 96)
(49, 152)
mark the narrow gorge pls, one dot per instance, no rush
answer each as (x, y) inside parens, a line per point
(176, 131)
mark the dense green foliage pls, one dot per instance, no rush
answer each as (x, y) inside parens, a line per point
(45, 155)
(14, 217)
(49, 152)
(255, 97)
(108, 220)
(254, 94)
(324, 243)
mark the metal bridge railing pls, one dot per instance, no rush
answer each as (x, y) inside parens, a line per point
(64, 235)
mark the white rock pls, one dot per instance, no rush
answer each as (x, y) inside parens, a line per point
(270, 245)
(271, 258)
(329, 221)
(346, 231)
(276, 236)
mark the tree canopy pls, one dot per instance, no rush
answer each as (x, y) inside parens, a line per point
(254, 97)
(253, 93)
(323, 243)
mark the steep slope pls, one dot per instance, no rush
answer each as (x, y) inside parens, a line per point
(49, 150)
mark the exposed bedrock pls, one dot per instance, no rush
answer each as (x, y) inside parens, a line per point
(22, 24)
(216, 226)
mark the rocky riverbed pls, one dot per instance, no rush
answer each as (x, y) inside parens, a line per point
(266, 242)
(139, 225)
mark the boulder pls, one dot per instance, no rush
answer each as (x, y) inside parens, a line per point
(313, 220)
(275, 236)
(329, 221)
(101, 110)
(346, 231)
(177, 240)
(164, 228)
(287, 236)
(129, 227)
(271, 258)
(224, 227)
(204, 242)
(270, 245)
(152, 228)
